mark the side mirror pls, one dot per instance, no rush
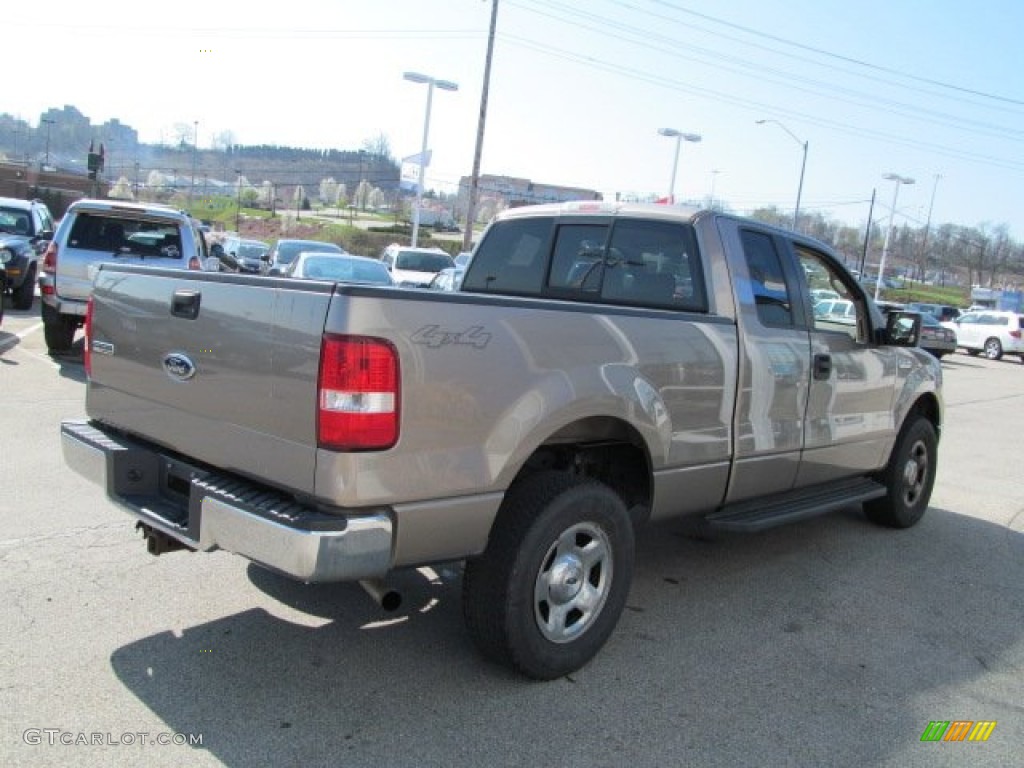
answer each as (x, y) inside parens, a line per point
(265, 257)
(903, 329)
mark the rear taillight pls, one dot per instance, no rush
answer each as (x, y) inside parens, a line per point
(87, 347)
(1015, 334)
(50, 259)
(357, 394)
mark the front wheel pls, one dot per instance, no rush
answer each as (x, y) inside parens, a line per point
(550, 587)
(23, 295)
(993, 349)
(908, 478)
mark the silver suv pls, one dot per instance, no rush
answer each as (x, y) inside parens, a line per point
(97, 231)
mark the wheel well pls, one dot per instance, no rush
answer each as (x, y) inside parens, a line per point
(607, 450)
(928, 407)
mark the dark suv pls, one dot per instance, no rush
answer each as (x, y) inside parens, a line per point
(941, 312)
(25, 228)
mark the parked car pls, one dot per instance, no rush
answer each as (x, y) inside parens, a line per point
(822, 294)
(25, 228)
(342, 267)
(942, 312)
(836, 311)
(248, 254)
(448, 279)
(994, 332)
(935, 337)
(96, 231)
(284, 253)
(415, 267)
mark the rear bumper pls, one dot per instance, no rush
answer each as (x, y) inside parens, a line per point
(206, 510)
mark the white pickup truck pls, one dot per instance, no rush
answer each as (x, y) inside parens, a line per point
(602, 365)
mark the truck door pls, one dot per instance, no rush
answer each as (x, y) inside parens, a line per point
(849, 420)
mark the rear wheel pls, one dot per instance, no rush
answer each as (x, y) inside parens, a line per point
(58, 331)
(548, 591)
(908, 478)
(993, 349)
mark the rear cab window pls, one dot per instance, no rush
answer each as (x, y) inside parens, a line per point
(621, 261)
(117, 235)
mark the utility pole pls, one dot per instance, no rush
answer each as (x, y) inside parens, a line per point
(474, 180)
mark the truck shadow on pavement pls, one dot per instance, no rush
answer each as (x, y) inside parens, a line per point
(830, 642)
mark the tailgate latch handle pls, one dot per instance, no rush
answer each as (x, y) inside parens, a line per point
(185, 303)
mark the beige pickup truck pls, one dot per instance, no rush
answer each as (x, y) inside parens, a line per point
(602, 365)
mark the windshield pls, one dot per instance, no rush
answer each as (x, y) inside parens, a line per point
(251, 251)
(415, 261)
(286, 252)
(14, 221)
(348, 270)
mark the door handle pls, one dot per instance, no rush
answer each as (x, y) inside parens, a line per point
(185, 303)
(822, 366)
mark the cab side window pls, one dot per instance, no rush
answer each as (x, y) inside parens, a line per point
(767, 280)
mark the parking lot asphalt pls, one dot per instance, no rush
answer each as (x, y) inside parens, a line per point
(829, 642)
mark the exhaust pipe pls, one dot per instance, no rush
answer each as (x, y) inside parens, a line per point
(383, 595)
(158, 542)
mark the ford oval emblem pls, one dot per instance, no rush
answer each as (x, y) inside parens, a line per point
(179, 366)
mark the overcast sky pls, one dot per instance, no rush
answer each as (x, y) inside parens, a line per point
(579, 89)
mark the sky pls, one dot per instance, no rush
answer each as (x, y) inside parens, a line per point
(926, 89)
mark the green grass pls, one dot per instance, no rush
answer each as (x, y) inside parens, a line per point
(931, 294)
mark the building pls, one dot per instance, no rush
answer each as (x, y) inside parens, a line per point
(496, 193)
(55, 188)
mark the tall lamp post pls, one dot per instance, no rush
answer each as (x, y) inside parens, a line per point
(195, 152)
(680, 137)
(238, 200)
(892, 225)
(444, 85)
(48, 122)
(803, 166)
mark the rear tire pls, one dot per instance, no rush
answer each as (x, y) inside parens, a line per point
(908, 478)
(993, 349)
(25, 293)
(548, 591)
(58, 331)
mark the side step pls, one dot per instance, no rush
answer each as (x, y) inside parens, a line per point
(759, 514)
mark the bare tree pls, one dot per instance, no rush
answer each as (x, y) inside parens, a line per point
(379, 146)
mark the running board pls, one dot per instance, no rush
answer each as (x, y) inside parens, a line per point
(759, 514)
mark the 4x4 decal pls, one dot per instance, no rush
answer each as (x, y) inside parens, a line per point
(434, 336)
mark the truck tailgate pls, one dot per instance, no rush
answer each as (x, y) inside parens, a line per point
(222, 372)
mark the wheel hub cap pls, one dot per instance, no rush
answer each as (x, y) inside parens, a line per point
(566, 578)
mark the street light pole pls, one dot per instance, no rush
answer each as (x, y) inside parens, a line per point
(892, 224)
(238, 200)
(679, 136)
(803, 167)
(195, 151)
(444, 85)
(48, 122)
(474, 179)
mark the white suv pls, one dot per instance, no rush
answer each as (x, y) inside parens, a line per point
(415, 267)
(994, 332)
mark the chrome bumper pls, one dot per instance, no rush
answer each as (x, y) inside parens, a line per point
(205, 510)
